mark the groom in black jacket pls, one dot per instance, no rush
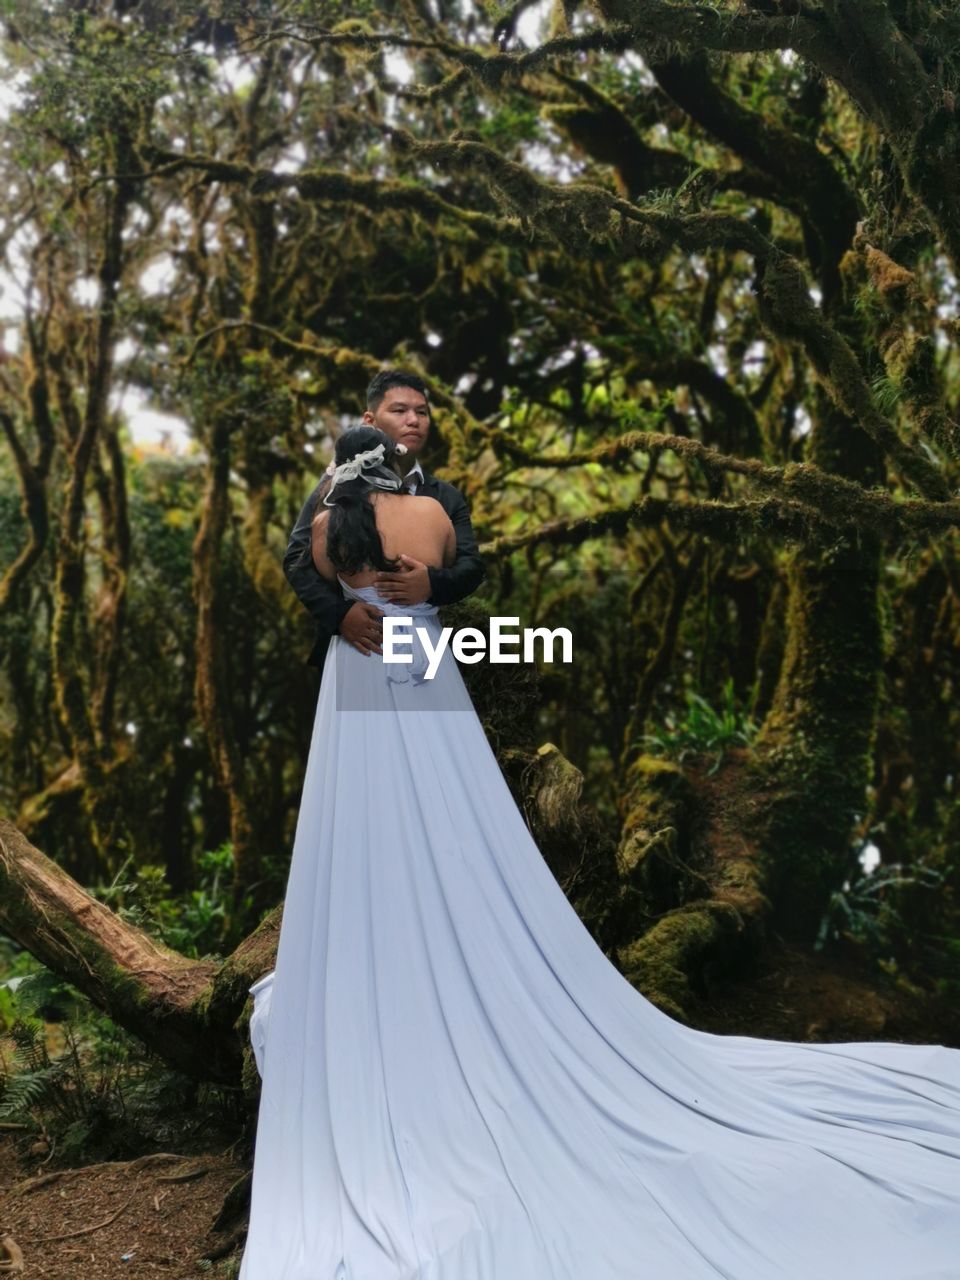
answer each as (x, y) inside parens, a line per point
(397, 404)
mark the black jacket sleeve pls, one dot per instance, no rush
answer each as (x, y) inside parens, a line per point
(322, 598)
(467, 572)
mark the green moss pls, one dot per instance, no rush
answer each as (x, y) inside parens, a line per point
(654, 851)
(665, 961)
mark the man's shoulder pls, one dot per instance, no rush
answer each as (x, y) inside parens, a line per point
(443, 490)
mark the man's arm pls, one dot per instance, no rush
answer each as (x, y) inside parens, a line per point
(322, 598)
(447, 586)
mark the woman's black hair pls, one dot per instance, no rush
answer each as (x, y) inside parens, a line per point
(353, 539)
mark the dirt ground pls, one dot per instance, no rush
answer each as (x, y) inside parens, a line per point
(148, 1217)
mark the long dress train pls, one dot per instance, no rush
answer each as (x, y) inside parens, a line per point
(458, 1085)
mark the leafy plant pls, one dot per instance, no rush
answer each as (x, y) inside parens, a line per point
(198, 923)
(887, 392)
(76, 1076)
(703, 729)
(37, 1077)
(865, 908)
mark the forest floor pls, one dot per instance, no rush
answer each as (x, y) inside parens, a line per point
(161, 1215)
(148, 1217)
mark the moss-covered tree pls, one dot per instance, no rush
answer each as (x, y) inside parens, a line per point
(682, 280)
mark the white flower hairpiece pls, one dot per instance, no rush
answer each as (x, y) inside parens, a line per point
(352, 468)
(400, 448)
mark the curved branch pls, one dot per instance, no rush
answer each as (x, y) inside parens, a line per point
(585, 218)
(330, 184)
(838, 501)
(725, 521)
(183, 1008)
(818, 506)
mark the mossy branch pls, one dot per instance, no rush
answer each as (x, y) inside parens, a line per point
(791, 517)
(788, 310)
(839, 501)
(587, 218)
(332, 185)
(186, 1010)
(630, 23)
(493, 69)
(725, 521)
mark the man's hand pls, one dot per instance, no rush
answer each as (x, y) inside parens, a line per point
(362, 627)
(409, 585)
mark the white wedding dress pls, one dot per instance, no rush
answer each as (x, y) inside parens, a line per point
(458, 1085)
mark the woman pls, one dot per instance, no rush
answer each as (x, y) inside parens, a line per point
(458, 1085)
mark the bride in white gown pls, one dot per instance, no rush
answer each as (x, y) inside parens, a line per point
(458, 1085)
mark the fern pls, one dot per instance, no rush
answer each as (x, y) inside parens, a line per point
(45, 997)
(26, 1090)
(865, 909)
(887, 392)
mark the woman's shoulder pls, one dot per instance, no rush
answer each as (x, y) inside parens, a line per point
(407, 506)
(426, 506)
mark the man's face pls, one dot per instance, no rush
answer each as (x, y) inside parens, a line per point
(404, 415)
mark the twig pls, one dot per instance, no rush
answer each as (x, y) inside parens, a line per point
(85, 1231)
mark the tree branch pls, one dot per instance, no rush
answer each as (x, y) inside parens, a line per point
(725, 521)
(585, 218)
(828, 500)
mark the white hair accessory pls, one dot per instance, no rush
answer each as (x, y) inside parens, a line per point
(399, 448)
(360, 462)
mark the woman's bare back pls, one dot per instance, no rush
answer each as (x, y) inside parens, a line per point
(417, 526)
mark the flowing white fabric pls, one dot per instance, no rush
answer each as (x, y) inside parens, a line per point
(458, 1085)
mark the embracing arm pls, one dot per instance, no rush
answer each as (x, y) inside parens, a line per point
(321, 597)
(448, 585)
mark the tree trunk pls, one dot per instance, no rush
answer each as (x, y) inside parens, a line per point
(714, 860)
(212, 684)
(187, 1011)
(816, 742)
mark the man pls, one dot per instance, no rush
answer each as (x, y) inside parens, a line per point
(397, 404)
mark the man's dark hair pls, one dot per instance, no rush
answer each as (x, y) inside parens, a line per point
(381, 383)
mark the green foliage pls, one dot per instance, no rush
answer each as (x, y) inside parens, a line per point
(702, 729)
(37, 1078)
(206, 920)
(511, 125)
(681, 198)
(34, 1079)
(887, 392)
(73, 1074)
(868, 910)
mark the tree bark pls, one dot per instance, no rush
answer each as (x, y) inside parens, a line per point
(187, 1011)
(212, 683)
